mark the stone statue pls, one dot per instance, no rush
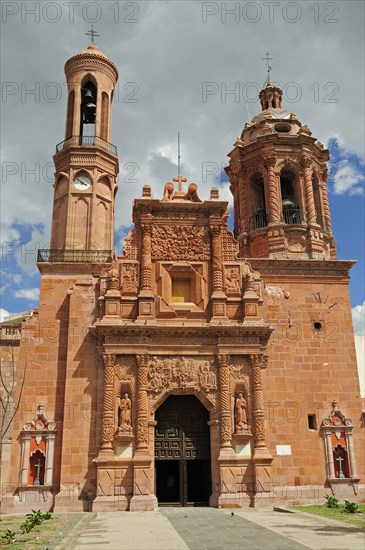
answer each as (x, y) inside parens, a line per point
(125, 414)
(241, 412)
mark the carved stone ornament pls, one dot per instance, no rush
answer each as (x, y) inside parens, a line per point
(130, 246)
(181, 372)
(337, 419)
(129, 277)
(40, 422)
(180, 243)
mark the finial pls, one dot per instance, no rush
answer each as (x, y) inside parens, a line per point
(92, 34)
(267, 58)
(180, 180)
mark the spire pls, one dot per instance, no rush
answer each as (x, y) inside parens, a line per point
(270, 96)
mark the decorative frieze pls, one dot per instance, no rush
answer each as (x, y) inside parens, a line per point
(180, 242)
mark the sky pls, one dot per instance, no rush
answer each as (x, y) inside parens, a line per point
(188, 66)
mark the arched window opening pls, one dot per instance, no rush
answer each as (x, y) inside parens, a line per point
(341, 462)
(70, 114)
(36, 471)
(88, 113)
(258, 219)
(291, 210)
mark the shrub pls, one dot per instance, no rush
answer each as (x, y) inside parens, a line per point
(331, 501)
(34, 519)
(8, 536)
(350, 507)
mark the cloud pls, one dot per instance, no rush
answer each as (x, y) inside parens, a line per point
(26, 253)
(358, 319)
(31, 294)
(3, 313)
(348, 179)
(8, 234)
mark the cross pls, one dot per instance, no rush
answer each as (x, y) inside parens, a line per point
(340, 459)
(92, 34)
(267, 58)
(38, 466)
(180, 181)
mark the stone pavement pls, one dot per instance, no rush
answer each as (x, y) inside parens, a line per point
(210, 529)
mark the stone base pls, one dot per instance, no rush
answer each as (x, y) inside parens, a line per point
(143, 503)
(27, 499)
(110, 504)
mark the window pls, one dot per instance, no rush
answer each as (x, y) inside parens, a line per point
(312, 422)
(181, 290)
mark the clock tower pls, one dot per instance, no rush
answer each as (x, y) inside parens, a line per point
(86, 162)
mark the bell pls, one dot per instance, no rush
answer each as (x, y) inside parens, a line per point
(88, 96)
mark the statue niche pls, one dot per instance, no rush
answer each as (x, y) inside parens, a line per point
(125, 414)
(241, 415)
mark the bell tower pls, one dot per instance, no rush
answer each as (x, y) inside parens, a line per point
(278, 172)
(86, 162)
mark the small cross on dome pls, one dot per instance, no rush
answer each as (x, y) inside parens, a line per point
(92, 34)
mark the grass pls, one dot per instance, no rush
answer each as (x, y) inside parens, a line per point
(47, 535)
(355, 520)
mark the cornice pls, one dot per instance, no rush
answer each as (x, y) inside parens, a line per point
(338, 269)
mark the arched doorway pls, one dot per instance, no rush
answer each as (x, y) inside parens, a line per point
(182, 452)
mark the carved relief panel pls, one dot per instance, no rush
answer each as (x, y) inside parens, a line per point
(181, 372)
(180, 242)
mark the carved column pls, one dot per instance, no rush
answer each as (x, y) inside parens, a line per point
(329, 454)
(258, 362)
(146, 298)
(224, 401)
(217, 267)
(108, 406)
(326, 206)
(142, 404)
(48, 475)
(275, 211)
(218, 296)
(351, 454)
(311, 208)
(23, 474)
(146, 262)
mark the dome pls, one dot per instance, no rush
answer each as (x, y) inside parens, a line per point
(91, 58)
(273, 114)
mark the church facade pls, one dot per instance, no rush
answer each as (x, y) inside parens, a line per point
(200, 367)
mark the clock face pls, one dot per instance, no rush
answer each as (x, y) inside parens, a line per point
(82, 182)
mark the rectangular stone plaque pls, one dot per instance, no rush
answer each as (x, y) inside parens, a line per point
(283, 450)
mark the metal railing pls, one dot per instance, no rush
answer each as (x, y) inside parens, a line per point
(86, 141)
(258, 221)
(292, 216)
(73, 256)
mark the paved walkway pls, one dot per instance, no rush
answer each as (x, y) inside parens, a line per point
(210, 529)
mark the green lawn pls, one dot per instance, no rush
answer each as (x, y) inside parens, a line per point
(46, 535)
(355, 520)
